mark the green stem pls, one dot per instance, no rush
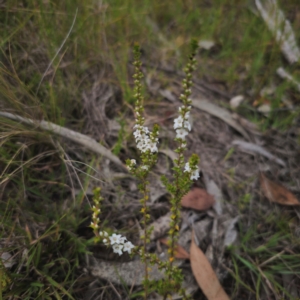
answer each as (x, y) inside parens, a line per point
(145, 211)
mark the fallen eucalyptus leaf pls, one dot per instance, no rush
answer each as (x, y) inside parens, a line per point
(205, 275)
(197, 199)
(277, 193)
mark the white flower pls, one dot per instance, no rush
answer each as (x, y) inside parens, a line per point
(94, 225)
(145, 167)
(142, 138)
(118, 249)
(115, 239)
(123, 240)
(178, 122)
(132, 163)
(143, 145)
(145, 129)
(105, 233)
(195, 174)
(187, 167)
(181, 133)
(187, 125)
(101, 233)
(137, 134)
(105, 241)
(127, 247)
(187, 115)
(152, 147)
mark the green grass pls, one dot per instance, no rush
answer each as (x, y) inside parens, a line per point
(36, 185)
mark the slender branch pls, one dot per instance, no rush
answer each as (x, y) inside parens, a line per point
(72, 135)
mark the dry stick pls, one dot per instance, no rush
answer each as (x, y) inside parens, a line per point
(271, 259)
(258, 149)
(72, 135)
(268, 283)
(115, 290)
(220, 113)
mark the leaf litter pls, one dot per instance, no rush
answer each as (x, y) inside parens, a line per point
(214, 131)
(277, 193)
(197, 199)
(212, 137)
(205, 275)
(215, 227)
(180, 252)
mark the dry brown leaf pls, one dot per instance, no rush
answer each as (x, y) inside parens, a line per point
(179, 251)
(276, 192)
(198, 199)
(205, 275)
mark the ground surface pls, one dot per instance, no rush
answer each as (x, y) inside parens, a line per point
(70, 63)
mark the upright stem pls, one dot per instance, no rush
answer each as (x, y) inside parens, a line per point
(183, 179)
(175, 212)
(146, 233)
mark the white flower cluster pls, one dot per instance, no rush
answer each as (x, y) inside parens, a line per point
(96, 211)
(132, 164)
(94, 224)
(194, 174)
(143, 140)
(182, 124)
(118, 242)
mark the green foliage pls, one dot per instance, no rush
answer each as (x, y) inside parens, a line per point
(119, 144)
(35, 180)
(147, 144)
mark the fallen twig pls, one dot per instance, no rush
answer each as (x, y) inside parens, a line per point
(260, 150)
(220, 113)
(281, 72)
(72, 135)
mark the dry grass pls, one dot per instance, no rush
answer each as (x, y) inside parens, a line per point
(46, 182)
